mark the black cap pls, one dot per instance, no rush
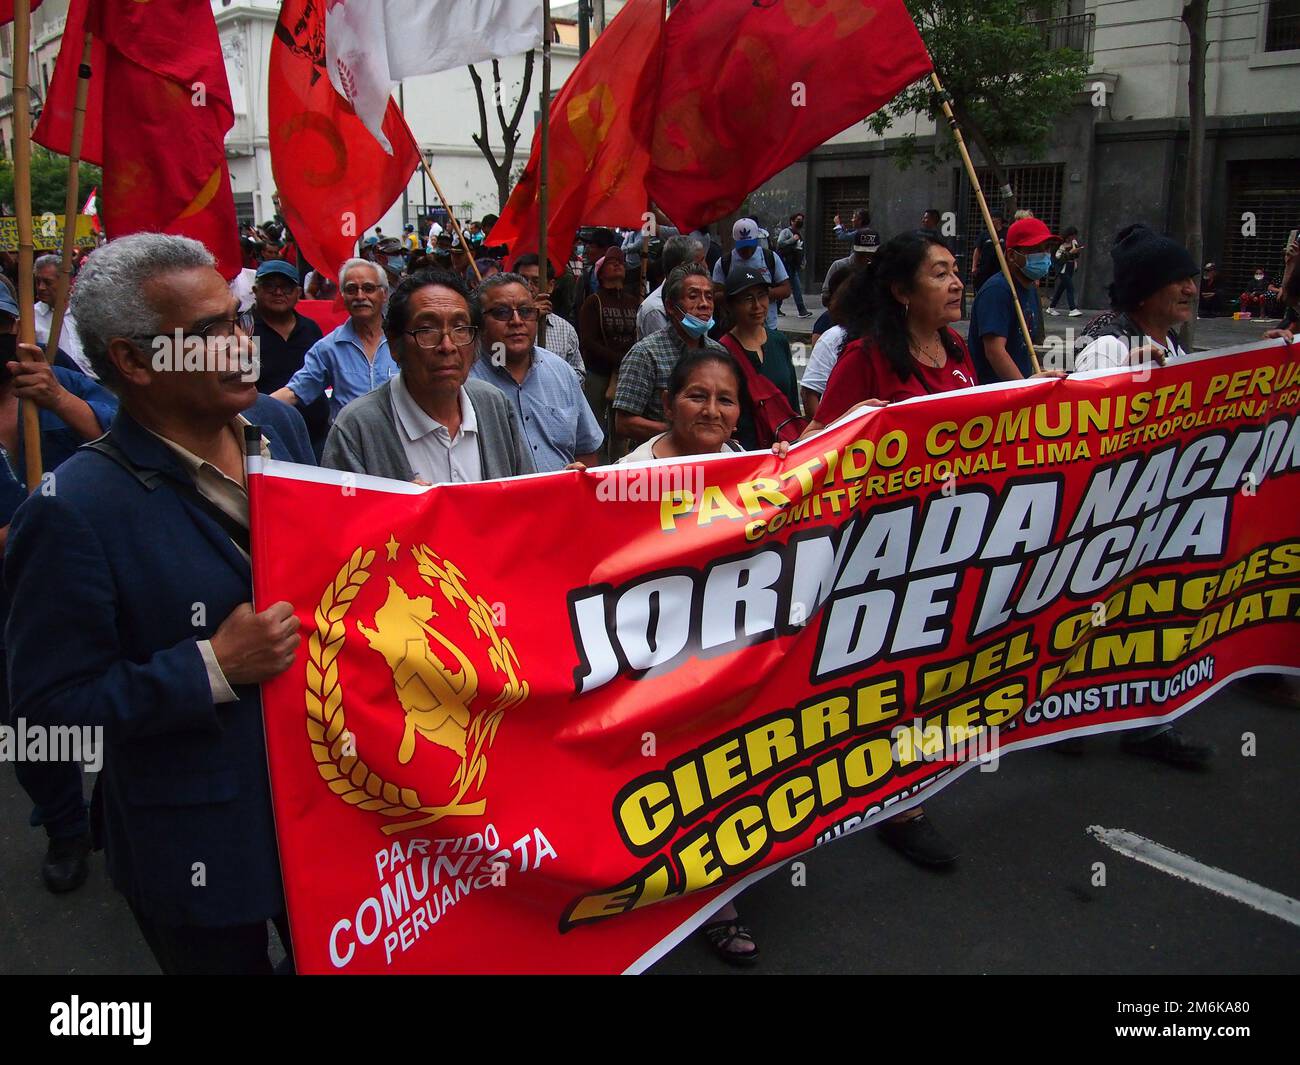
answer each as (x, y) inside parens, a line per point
(1146, 262)
(743, 278)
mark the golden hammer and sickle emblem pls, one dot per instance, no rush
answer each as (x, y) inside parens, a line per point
(435, 699)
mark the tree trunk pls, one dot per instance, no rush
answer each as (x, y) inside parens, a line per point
(509, 126)
(1194, 17)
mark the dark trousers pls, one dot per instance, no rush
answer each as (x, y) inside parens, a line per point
(1064, 287)
(240, 950)
(58, 802)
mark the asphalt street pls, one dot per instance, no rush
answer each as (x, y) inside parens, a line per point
(1020, 900)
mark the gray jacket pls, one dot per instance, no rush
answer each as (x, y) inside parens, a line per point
(365, 437)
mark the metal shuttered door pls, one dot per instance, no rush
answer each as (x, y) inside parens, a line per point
(1263, 208)
(840, 196)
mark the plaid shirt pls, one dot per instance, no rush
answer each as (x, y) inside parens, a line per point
(643, 374)
(562, 339)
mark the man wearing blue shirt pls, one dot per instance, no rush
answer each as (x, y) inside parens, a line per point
(748, 253)
(354, 358)
(996, 342)
(558, 425)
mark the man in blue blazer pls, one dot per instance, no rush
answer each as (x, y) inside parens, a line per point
(130, 589)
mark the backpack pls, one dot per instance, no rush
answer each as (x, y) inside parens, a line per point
(774, 418)
(769, 258)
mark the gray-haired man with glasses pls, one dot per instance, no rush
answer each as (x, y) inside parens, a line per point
(354, 358)
(430, 423)
(547, 398)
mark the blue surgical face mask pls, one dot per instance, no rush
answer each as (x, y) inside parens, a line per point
(1037, 265)
(694, 327)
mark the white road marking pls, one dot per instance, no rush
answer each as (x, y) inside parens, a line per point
(1153, 854)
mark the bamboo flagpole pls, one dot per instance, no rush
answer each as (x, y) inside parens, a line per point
(31, 428)
(543, 186)
(455, 225)
(428, 172)
(70, 204)
(944, 99)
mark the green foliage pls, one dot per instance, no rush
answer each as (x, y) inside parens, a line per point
(49, 182)
(1007, 86)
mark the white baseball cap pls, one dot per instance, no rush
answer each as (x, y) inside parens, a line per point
(746, 233)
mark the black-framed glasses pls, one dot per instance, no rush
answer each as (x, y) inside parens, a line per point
(430, 336)
(504, 314)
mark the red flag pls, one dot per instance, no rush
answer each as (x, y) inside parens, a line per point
(333, 177)
(597, 162)
(156, 119)
(7, 9)
(747, 89)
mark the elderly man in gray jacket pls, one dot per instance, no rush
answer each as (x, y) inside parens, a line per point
(430, 423)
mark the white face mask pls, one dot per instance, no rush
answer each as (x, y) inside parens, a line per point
(1259, 277)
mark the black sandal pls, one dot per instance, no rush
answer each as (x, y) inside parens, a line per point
(720, 935)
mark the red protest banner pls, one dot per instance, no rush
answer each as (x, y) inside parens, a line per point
(542, 725)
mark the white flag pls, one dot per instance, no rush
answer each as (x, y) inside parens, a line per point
(370, 45)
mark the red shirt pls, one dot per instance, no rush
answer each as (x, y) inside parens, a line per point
(863, 372)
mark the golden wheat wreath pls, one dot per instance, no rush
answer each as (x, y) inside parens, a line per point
(336, 759)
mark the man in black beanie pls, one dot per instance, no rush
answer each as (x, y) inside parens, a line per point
(1154, 292)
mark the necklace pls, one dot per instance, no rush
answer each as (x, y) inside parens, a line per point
(931, 354)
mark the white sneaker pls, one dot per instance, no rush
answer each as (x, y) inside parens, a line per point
(1076, 313)
(1053, 312)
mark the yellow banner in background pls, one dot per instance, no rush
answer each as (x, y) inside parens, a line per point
(47, 232)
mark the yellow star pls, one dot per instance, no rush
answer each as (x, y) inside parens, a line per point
(392, 546)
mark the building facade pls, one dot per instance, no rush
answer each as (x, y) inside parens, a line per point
(1117, 156)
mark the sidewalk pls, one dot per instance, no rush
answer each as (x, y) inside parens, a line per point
(1210, 332)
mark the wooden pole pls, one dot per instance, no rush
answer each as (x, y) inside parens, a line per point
(70, 204)
(451, 215)
(543, 165)
(543, 184)
(988, 219)
(23, 205)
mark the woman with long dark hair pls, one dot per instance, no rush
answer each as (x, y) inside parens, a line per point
(899, 312)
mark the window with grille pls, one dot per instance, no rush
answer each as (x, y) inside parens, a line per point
(840, 196)
(1283, 30)
(1263, 200)
(1037, 188)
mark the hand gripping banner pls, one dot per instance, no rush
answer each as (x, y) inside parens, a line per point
(548, 724)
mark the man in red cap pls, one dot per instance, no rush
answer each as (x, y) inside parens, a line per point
(996, 342)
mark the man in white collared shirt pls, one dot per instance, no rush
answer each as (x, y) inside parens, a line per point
(431, 423)
(434, 454)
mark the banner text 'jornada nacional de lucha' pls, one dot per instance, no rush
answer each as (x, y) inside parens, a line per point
(541, 725)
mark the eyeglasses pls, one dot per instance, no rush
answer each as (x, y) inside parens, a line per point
(504, 314)
(221, 329)
(225, 327)
(430, 336)
(367, 289)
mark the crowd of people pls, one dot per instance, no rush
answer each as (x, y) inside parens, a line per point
(437, 373)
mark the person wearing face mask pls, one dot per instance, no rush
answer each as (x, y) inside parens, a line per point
(1154, 292)
(643, 374)
(997, 344)
(1260, 299)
